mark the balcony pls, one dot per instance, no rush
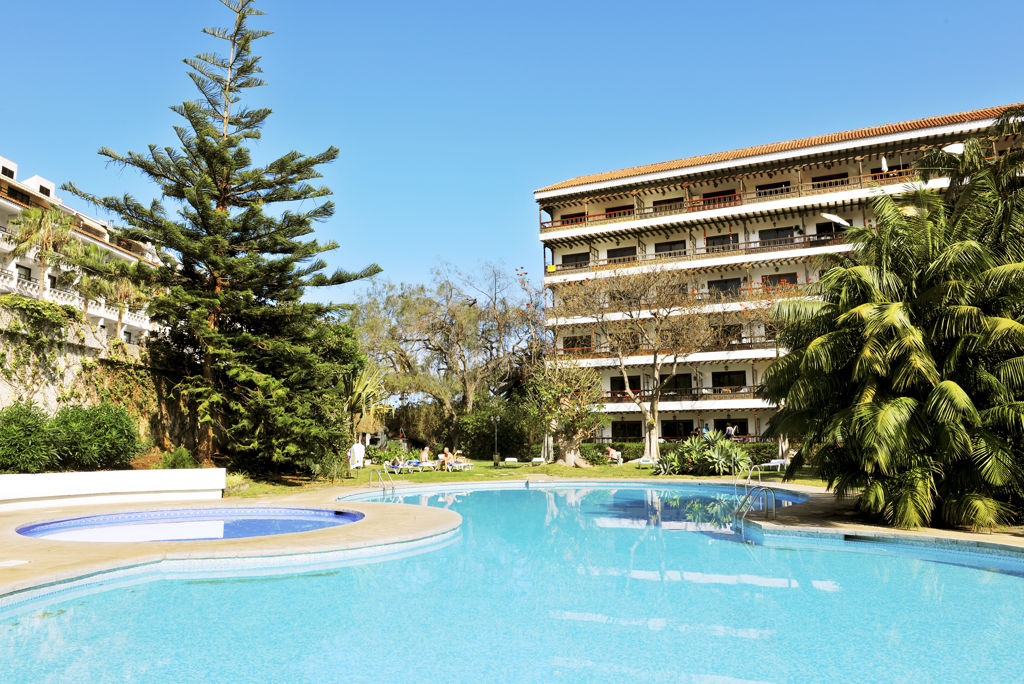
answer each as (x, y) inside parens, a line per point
(601, 351)
(703, 252)
(736, 199)
(692, 394)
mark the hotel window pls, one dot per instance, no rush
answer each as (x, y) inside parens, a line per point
(7, 172)
(676, 429)
(722, 243)
(673, 248)
(127, 336)
(627, 431)
(779, 236)
(622, 254)
(725, 285)
(569, 219)
(576, 344)
(827, 230)
(676, 385)
(729, 379)
(52, 280)
(896, 170)
(24, 272)
(779, 280)
(578, 260)
(616, 212)
(772, 189)
(719, 197)
(741, 425)
(831, 180)
(664, 204)
(44, 190)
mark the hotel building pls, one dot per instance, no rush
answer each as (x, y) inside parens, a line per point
(23, 275)
(734, 222)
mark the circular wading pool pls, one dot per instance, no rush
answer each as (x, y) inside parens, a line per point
(189, 524)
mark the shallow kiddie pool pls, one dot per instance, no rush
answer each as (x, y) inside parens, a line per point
(189, 524)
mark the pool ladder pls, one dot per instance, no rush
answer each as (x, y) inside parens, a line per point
(380, 476)
(749, 502)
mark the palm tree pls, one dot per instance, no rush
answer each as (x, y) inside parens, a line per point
(50, 233)
(127, 289)
(93, 282)
(364, 395)
(906, 372)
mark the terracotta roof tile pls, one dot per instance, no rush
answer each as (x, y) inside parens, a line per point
(885, 129)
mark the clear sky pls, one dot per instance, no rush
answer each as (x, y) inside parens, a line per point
(449, 114)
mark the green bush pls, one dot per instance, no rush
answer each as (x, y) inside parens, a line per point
(594, 454)
(392, 450)
(26, 445)
(179, 458)
(761, 452)
(376, 455)
(102, 437)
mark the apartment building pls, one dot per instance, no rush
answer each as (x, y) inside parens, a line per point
(23, 275)
(754, 219)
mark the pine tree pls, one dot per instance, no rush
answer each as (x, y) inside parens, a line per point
(236, 325)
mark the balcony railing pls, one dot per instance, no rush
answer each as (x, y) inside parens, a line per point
(739, 198)
(685, 394)
(704, 252)
(605, 351)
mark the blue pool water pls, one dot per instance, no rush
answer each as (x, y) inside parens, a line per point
(581, 584)
(189, 524)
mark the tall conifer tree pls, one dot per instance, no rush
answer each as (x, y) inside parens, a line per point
(236, 325)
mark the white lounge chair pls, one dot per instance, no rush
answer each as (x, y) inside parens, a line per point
(510, 461)
(645, 461)
(777, 463)
(537, 460)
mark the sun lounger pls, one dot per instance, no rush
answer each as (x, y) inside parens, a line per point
(777, 463)
(645, 461)
(537, 460)
(465, 465)
(510, 461)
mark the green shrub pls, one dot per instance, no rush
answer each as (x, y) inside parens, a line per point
(26, 444)
(179, 458)
(594, 454)
(376, 455)
(102, 437)
(761, 452)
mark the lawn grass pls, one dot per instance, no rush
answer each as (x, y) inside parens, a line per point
(483, 471)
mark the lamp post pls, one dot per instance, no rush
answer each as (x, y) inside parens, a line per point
(495, 419)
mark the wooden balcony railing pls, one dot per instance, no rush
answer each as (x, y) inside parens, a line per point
(704, 252)
(739, 198)
(752, 294)
(688, 394)
(605, 351)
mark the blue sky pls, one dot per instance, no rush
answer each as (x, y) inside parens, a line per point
(449, 114)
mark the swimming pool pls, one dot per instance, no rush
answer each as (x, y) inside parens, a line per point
(567, 583)
(189, 524)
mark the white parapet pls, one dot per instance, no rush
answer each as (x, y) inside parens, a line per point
(18, 492)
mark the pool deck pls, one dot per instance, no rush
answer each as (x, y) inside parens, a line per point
(27, 562)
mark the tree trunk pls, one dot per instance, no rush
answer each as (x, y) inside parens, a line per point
(570, 455)
(547, 448)
(650, 428)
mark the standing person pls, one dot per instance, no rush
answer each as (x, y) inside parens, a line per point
(730, 430)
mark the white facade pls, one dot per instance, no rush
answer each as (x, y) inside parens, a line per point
(735, 220)
(24, 275)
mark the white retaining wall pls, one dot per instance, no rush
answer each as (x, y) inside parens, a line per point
(19, 492)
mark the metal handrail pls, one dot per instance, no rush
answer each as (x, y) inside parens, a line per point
(380, 476)
(750, 501)
(750, 472)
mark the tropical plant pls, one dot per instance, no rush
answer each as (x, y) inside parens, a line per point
(364, 395)
(93, 283)
(25, 442)
(905, 374)
(49, 234)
